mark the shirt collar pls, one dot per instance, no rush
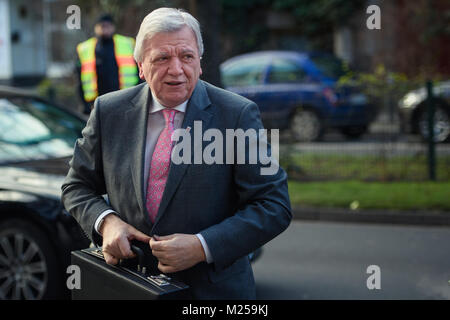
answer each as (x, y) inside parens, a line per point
(157, 106)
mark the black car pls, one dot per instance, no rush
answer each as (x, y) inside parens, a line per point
(36, 233)
(414, 112)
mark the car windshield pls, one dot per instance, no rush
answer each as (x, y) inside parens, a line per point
(31, 129)
(330, 66)
(245, 72)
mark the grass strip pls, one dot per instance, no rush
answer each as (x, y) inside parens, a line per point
(372, 195)
(304, 166)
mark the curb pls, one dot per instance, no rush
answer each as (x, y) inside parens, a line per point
(413, 217)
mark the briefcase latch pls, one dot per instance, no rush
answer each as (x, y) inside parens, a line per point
(160, 280)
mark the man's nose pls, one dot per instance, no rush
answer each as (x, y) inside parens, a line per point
(175, 67)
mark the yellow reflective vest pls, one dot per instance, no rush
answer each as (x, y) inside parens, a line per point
(123, 51)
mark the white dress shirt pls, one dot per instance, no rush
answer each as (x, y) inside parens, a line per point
(155, 126)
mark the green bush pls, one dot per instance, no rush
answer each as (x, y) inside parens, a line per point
(383, 87)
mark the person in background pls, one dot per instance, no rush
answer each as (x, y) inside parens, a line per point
(105, 62)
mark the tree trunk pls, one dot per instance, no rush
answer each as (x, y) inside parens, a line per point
(208, 13)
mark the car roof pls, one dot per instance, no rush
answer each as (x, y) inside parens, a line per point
(296, 55)
(7, 91)
(13, 91)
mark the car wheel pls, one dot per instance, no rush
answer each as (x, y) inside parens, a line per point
(305, 126)
(354, 132)
(441, 124)
(28, 266)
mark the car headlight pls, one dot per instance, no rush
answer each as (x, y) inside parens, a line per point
(410, 100)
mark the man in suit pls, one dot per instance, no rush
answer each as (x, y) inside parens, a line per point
(199, 220)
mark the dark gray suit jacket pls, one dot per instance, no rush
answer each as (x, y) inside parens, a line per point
(233, 206)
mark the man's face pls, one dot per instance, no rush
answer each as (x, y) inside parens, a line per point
(104, 29)
(171, 66)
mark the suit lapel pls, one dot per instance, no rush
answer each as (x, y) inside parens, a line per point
(138, 117)
(195, 111)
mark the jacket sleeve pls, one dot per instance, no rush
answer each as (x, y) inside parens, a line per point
(84, 186)
(264, 209)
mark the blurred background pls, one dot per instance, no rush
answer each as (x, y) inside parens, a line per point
(384, 69)
(361, 97)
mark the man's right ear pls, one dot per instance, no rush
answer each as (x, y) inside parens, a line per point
(141, 71)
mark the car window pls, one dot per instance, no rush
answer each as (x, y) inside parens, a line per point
(329, 65)
(245, 72)
(18, 126)
(32, 129)
(442, 89)
(285, 71)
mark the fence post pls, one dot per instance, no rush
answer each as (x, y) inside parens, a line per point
(431, 142)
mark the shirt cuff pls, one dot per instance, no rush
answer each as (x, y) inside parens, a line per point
(100, 217)
(208, 255)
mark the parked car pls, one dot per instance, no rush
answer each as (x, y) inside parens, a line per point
(297, 91)
(36, 233)
(414, 116)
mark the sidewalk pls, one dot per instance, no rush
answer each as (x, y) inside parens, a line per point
(419, 217)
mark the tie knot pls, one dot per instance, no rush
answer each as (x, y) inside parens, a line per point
(169, 115)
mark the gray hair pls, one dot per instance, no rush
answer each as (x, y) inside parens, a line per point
(166, 20)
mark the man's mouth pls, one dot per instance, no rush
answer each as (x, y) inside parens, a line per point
(174, 83)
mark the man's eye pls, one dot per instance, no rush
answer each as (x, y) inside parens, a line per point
(188, 57)
(161, 59)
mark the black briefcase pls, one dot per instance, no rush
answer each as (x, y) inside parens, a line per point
(101, 281)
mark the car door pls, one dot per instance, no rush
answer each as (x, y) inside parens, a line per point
(288, 86)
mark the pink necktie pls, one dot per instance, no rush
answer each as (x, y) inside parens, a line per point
(159, 167)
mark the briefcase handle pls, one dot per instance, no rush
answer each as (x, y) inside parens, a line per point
(140, 255)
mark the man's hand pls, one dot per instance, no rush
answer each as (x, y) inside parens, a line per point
(177, 252)
(116, 239)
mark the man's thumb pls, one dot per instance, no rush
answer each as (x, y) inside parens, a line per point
(136, 234)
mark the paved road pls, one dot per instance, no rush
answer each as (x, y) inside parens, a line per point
(325, 260)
